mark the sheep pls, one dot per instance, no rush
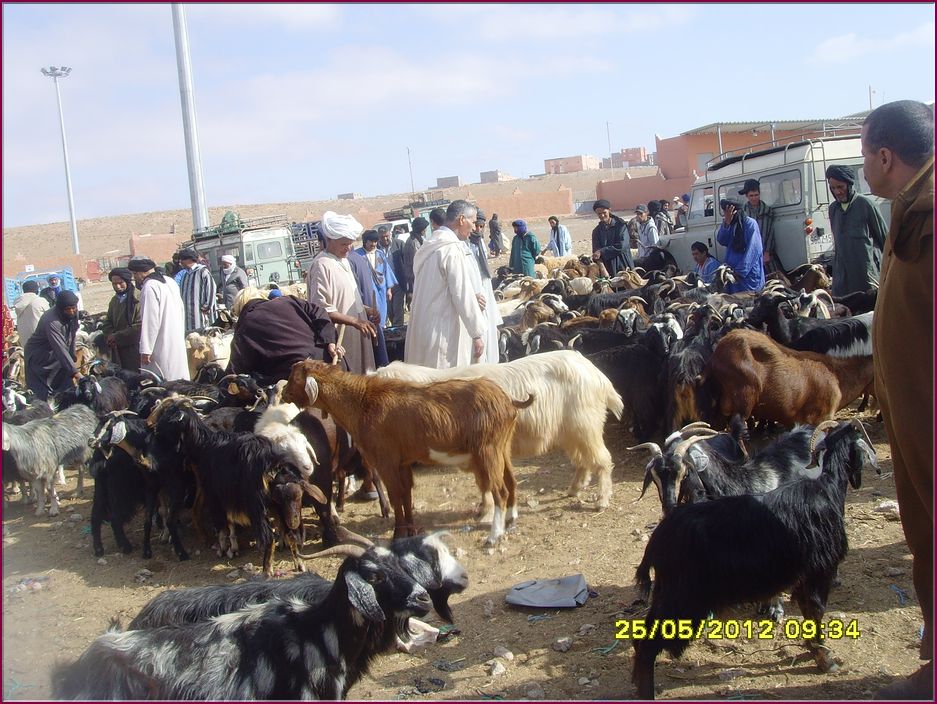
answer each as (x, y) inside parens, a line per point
(209, 345)
(425, 558)
(235, 472)
(748, 548)
(571, 400)
(273, 650)
(36, 450)
(752, 375)
(396, 424)
(553, 264)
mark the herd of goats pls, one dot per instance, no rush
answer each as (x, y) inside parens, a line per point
(693, 369)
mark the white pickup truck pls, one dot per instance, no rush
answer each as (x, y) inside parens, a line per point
(793, 183)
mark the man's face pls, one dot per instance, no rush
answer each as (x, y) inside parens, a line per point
(480, 226)
(70, 311)
(642, 216)
(53, 281)
(666, 206)
(370, 245)
(465, 225)
(385, 238)
(604, 215)
(872, 169)
(839, 189)
(187, 263)
(120, 286)
(138, 277)
(340, 248)
(754, 198)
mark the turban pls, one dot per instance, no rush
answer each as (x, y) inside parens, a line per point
(122, 273)
(188, 254)
(228, 259)
(142, 264)
(66, 299)
(521, 226)
(30, 287)
(339, 227)
(601, 203)
(843, 173)
(420, 225)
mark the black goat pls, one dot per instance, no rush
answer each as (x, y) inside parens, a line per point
(234, 472)
(425, 558)
(749, 548)
(275, 650)
(102, 395)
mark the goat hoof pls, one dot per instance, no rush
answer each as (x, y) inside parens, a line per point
(183, 556)
(147, 554)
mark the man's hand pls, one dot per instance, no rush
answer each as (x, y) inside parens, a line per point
(144, 359)
(596, 255)
(478, 347)
(480, 297)
(390, 295)
(335, 351)
(366, 328)
(111, 341)
(75, 377)
(729, 215)
(374, 315)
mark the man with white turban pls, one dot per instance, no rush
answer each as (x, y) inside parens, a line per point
(231, 279)
(331, 284)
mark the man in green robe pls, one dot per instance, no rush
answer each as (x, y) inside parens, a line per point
(858, 234)
(121, 326)
(524, 249)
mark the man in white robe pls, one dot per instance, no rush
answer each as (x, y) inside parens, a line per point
(331, 284)
(448, 325)
(162, 336)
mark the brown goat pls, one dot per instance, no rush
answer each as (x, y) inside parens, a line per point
(752, 375)
(396, 424)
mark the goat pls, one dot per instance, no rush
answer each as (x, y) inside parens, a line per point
(20, 414)
(396, 424)
(273, 650)
(235, 472)
(101, 395)
(35, 450)
(752, 375)
(425, 558)
(209, 345)
(571, 400)
(749, 548)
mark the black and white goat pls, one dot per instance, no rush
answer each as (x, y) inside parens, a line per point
(749, 548)
(37, 449)
(273, 650)
(425, 558)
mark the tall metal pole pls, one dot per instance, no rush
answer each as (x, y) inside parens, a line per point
(55, 73)
(870, 97)
(412, 188)
(193, 158)
(609, 135)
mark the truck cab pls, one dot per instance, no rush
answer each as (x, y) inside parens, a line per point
(793, 184)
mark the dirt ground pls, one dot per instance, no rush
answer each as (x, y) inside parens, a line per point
(57, 596)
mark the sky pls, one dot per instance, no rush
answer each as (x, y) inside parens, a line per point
(303, 102)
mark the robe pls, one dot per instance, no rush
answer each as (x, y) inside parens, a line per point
(524, 249)
(162, 327)
(858, 239)
(231, 282)
(444, 313)
(198, 292)
(124, 325)
(382, 278)
(482, 285)
(560, 243)
(747, 264)
(29, 310)
(331, 285)
(50, 355)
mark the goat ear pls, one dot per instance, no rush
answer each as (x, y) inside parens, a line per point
(312, 389)
(647, 482)
(313, 491)
(118, 432)
(362, 597)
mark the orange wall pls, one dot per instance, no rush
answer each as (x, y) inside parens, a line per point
(625, 194)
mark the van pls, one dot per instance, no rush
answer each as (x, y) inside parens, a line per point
(793, 184)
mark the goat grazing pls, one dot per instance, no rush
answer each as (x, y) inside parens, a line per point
(273, 650)
(571, 401)
(749, 548)
(396, 424)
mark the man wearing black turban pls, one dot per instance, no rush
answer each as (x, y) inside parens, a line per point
(121, 326)
(50, 352)
(858, 234)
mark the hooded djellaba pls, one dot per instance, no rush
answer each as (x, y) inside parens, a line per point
(121, 325)
(858, 236)
(50, 352)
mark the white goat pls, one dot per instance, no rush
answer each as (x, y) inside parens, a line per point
(571, 398)
(274, 424)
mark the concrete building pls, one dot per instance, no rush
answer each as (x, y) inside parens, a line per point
(622, 159)
(448, 182)
(570, 164)
(495, 176)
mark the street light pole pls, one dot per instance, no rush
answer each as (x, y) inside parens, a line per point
(412, 187)
(55, 73)
(609, 135)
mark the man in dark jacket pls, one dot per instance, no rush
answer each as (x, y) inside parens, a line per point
(272, 335)
(610, 241)
(121, 326)
(51, 292)
(231, 279)
(50, 352)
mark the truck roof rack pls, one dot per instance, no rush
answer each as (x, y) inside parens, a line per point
(734, 155)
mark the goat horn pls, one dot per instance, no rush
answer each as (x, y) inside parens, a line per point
(856, 423)
(825, 425)
(652, 446)
(344, 550)
(122, 412)
(199, 398)
(696, 424)
(156, 377)
(680, 450)
(225, 378)
(350, 537)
